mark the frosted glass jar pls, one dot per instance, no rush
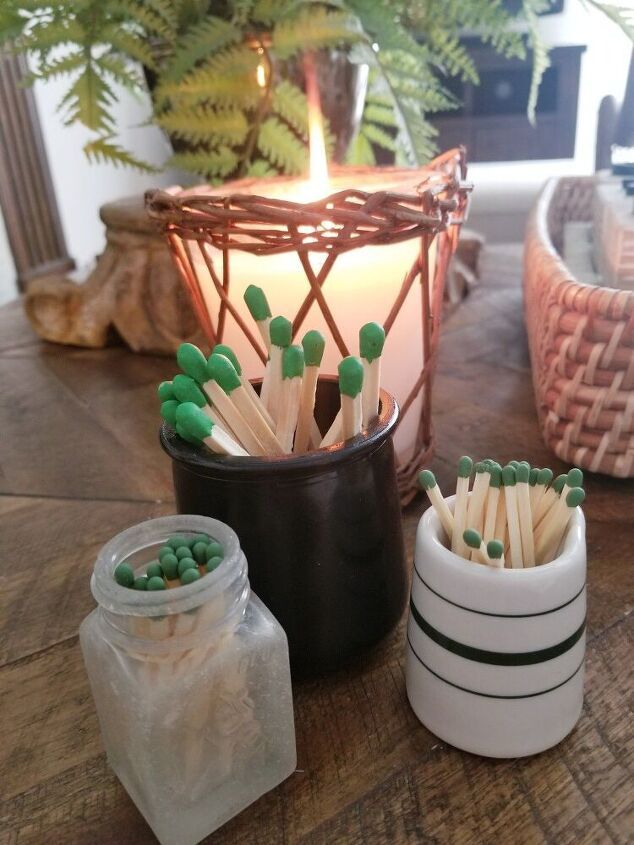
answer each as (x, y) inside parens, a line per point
(191, 685)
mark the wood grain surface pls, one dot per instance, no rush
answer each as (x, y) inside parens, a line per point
(79, 461)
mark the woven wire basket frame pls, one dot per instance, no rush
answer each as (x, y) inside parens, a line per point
(435, 208)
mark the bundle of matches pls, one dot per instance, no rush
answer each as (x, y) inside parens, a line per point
(180, 561)
(514, 516)
(212, 403)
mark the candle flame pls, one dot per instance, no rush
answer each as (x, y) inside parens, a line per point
(318, 180)
(260, 75)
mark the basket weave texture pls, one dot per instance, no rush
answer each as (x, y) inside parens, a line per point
(581, 340)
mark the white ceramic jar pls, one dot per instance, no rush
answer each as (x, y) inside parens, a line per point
(191, 684)
(495, 656)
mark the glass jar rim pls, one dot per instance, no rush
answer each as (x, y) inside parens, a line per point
(129, 602)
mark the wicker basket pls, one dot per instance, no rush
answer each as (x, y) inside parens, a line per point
(581, 341)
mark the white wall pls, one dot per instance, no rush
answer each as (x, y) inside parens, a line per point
(8, 288)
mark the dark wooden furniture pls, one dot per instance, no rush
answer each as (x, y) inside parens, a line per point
(80, 460)
(492, 121)
(27, 196)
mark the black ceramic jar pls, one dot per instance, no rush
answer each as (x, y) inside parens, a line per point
(321, 532)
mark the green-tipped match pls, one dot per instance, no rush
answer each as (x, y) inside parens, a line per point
(532, 476)
(426, 479)
(155, 583)
(193, 421)
(480, 467)
(350, 376)
(280, 331)
(227, 351)
(168, 411)
(187, 390)
(514, 464)
(574, 478)
(472, 538)
(496, 476)
(221, 370)
(257, 303)
(371, 341)
(575, 497)
(525, 464)
(292, 362)
(313, 344)
(509, 477)
(522, 473)
(465, 466)
(192, 362)
(184, 435)
(165, 391)
(545, 476)
(495, 549)
(559, 482)
(124, 575)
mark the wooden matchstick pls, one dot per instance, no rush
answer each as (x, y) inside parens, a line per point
(501, 530)
(475, 508)
(188, 390)
(350, 388)
(371, 342)
(334, 433)
(478, 549)
(227, 351)
(313, 344)
(427, 481)
(289, 396)
(258, 306)
(198, 426)
(522, 475)
(509, 479)
(495, 550)
(227, 393)
(544, 479)
(573, 479)
(492, 502)
(532, 485)
(548, 500)
(465, 467)
(553, 532)
(280, 330)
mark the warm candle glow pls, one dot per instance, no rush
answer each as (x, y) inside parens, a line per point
(318, 185)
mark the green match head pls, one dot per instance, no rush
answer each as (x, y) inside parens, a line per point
(169, 565)
(184, 564)
(187, 390)
(559, 482)
(221, 370)
(313, 344)
(257, 304)
(214, 549)
(124, 575)
(175, 542)
(575, 497)
(522, 473)
(481, 467)
(192, 362)
(213, 563)
(496, 475)
(293, 362)
(156, 583)
(526, 464)
(154, 570)
(371, 341)
(532, 476)
(509, 477)
(140, 583)
(280, 331)
(574, 478)
(199, 552)
(426, 479)
(514, 464)
(465, 466)
(545, 476)
(350, 376)
(165, 391)
(193, 421)
(188, 438)
(182, 551)
(189, 576)
(495, 549)
(227, 351)
(472, 538)
(168, 411)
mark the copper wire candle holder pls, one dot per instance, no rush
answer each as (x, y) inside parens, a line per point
(203, 229)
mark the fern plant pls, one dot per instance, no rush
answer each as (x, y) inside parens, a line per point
(219, 71)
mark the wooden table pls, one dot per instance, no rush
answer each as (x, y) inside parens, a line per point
(79, 461)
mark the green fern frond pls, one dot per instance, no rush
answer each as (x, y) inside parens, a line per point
(41, 38)
(211, 165)
(261, 169)
(198, 43)
(313, 29)
(289, 102)
(197, 125)
(60, 66)
(281, 147)
(120, 71)
(379, 136)
(131, 45)
(102, 150)
(87, 101)
(225, 79)
(540, 57)
(360, 151)
(381, 114)
(140, 14)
